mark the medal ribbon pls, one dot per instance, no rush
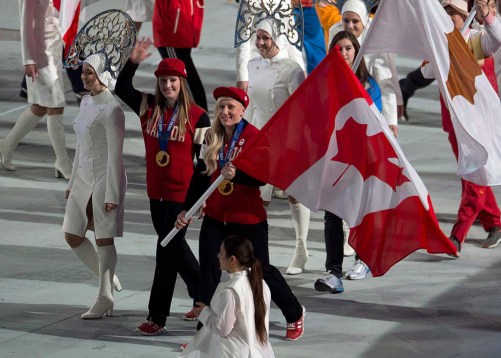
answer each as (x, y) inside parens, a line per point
(163, 136)
(222, 160)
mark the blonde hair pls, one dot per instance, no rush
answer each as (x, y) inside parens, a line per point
(214, 138)
(184, 101)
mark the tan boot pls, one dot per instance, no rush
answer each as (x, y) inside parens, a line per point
(107, 256)
(24, 124)
(301, 220)
(55, 128)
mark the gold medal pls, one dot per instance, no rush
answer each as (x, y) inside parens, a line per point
(226, 187)
(162, 158)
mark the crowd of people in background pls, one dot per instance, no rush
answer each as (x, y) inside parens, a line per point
(186, 151)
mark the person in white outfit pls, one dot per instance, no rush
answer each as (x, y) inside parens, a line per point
(236, 324)
(98, 182)
(42, 49)
(273, 77)
(246, 50)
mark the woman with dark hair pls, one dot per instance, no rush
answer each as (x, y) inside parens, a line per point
(236, 322)
(236, 208)
(173, 130)
(334, 235)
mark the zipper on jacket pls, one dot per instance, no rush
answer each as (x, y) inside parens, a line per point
(178, 14)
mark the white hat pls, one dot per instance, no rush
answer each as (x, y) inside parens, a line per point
(98, 63)
(271, 27)
(460, 6)
(358, 7)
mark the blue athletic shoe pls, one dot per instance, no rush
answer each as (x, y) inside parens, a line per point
(329, 283)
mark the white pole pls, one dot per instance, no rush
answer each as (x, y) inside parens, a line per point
(193, 209)
(468, 20)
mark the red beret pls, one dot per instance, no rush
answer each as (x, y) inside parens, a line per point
(236, 93)
(171, 67)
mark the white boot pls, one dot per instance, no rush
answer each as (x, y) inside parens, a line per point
(107, 256)
(301, 220)
(55, 128)
(24, 124)
(88, 255)
(347, 249)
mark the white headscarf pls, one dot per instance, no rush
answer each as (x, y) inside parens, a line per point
(271, 27)
(98, 63)
(358, 7)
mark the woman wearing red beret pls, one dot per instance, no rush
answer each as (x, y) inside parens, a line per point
(236, 207)
(173, 130)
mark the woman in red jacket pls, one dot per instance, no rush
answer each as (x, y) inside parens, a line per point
(177, 25)
(236, 208)
(173, 130)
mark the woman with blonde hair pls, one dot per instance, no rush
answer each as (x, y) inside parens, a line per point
(236, 207)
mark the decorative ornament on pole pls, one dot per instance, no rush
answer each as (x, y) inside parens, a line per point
(288, 14)
(111, 32)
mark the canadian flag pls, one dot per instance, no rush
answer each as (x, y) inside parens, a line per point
(423, 29)
(329, 147)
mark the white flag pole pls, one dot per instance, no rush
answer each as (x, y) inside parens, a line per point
(193, 209)
(469, 20)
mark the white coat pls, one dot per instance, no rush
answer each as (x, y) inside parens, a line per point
(98, 170)
(42, 45)
(271, 82)
(229, 329)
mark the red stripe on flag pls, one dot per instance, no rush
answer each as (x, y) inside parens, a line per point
(385, 237)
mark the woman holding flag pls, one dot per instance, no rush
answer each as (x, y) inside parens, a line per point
(173, 129)
(236, 207)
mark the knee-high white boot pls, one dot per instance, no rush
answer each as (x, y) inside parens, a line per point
(301, 219)
(88, 255)
(55, 128)
(24, 124)
(107, 256)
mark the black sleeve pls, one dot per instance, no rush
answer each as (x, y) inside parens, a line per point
(203, 122)
(125, 90)
(244, 179)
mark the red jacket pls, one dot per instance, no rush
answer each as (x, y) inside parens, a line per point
(244, 205)
(177, 23)
(171, 183)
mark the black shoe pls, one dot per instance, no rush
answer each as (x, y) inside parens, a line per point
(493, 239)
(456, 243)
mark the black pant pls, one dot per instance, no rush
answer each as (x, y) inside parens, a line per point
(194, 81)
(412, 82)
(171, 259)
(334, 244)
(212, 235)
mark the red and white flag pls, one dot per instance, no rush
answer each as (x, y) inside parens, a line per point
(423, 29)
(329, 147)
(69, 13)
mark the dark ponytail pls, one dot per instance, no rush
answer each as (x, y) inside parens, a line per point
(241, 248)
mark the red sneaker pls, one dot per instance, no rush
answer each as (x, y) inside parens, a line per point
(190, 316)
(148, 328)
(295, 330)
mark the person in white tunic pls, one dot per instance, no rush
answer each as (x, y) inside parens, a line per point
(237, 322)
(273, 77)
(42, 49)
(97, 185)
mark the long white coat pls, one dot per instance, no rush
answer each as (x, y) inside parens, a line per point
(98, 170)
(229, 329)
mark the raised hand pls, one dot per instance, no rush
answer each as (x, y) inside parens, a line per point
(140, 51)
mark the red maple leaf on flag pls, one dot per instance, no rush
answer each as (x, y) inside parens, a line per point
(369, 154)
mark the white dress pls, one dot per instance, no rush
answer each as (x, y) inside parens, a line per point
(271, 82)
(42, 45)
(98, 170)
(229, 329)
